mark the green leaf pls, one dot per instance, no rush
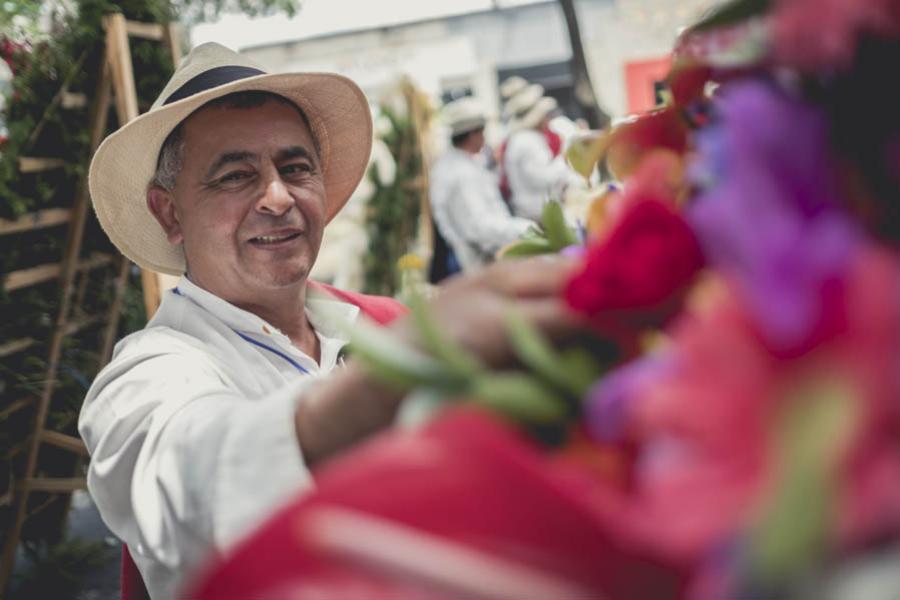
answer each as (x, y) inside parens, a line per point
(554, 221)
(572, 372)
(585, 151)
(454, 357)
(398, 363)
(582, 370)
(810, 437)
(519, 396)
(527, 247)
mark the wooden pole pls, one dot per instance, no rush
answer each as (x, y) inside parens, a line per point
(67, 275)
(584, 89)
(116, 74)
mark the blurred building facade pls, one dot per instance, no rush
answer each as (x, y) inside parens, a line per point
(626, 42)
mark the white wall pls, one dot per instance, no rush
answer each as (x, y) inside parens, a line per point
(475, 45)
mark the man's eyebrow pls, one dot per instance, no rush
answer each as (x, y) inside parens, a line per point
(295, 152)
(228, 157)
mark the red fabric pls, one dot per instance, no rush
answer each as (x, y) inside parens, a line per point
(132, 584)
(467, 480)
(505, 190)
(380, 309)
(554, 141)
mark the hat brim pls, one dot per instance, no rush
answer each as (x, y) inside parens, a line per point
(125, 162)
(468, 126)
(535, 115)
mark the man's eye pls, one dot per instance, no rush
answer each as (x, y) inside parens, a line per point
(234, 176)
(296, 168)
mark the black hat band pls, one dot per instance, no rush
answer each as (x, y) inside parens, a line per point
(210, 79)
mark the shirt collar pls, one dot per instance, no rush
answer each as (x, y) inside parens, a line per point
(463, 154)
(329, 316)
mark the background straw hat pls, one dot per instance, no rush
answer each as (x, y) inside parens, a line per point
(512, 86)
(125, 162)
(529, 107)
(463, 115)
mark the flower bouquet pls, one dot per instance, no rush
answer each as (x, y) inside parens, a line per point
(730, 428)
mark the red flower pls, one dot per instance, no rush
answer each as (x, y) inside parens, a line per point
(636, 277)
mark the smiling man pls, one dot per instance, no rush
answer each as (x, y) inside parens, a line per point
(212, 416)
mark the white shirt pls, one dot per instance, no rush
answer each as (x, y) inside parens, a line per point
(534, 175)
(191, 427)
(469, 211)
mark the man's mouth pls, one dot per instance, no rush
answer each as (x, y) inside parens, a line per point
(275, 238)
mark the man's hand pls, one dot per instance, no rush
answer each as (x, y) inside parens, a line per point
(471, 310)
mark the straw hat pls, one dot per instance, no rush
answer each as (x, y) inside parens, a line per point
(529, 107)
(512, 86)
(464, 115)
(125, 162)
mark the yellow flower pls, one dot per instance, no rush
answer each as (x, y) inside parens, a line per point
(410, 262)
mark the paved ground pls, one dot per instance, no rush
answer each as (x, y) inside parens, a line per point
(84, 522)
(101, 583)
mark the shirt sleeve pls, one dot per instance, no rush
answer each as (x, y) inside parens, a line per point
(181, 464)
(536, 167)
(482, 219)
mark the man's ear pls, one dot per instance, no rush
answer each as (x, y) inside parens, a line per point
(162, 204)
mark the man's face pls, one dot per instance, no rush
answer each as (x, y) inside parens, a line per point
(249, 202)
(478, 139)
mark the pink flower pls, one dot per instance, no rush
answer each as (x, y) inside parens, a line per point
(701, 430)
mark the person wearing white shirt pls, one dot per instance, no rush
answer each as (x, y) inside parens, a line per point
(213, 415)
(533, 174)
(465, 200)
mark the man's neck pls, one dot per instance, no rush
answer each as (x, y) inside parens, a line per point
(284, 309)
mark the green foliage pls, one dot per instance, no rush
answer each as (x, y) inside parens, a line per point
(59, 571)
(732, 13)
(393, 213)
(195, 11)
(443, 371)
(811, 434)
(553, 235)
(19, 17)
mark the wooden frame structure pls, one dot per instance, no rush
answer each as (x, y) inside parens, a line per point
(116, 83)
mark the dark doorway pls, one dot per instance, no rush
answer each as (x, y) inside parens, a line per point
(556, 78)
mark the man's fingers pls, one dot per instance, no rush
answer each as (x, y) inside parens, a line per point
(540, 276)
(551, 316)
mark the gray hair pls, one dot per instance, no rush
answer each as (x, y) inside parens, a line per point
(171, 155)
(171, 159)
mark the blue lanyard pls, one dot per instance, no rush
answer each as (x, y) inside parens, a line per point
(294, 363)
(247, 338)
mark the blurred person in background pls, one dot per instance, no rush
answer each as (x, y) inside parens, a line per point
(532, 162)
(466, 205)
(510, 87)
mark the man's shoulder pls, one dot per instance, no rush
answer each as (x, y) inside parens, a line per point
(155, 341)
(151, 353)
(523, 138)
(454, 160)
(381, 309)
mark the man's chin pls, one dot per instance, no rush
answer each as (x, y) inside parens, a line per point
(280, 278)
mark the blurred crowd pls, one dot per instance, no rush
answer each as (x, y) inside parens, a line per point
(482, 197)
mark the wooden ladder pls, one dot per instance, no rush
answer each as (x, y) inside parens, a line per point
(116, 83)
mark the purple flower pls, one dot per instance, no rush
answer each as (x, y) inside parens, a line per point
(769, 216)
(606, 409)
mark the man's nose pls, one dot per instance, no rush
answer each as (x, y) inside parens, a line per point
(275, 199)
